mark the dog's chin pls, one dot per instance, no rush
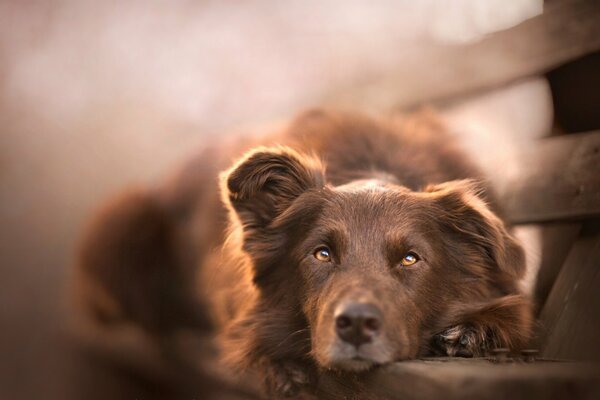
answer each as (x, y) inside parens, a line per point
(356, 364)
(344, 357)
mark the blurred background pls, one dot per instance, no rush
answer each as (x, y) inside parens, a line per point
(96, 96)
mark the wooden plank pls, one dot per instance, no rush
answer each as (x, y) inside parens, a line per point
(559, 179)
(565, 31)
(468, 379)
(571, 316)
(557, 240)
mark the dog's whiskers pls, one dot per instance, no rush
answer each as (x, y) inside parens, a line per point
(299, 331)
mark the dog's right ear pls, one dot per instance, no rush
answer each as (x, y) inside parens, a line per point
(266, 181)
(468, 215)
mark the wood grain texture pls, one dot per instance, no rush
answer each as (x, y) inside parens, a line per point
(571, 315)
(557, 239)
(468, 379)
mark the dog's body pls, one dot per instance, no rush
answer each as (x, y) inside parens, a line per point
(350, 244)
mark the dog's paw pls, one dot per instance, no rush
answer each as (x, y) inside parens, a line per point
(288, 379)
(462, 341)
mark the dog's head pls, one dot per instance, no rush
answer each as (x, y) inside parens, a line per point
(371, 266)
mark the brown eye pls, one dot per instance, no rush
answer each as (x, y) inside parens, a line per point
(323, 254)
(409, 259)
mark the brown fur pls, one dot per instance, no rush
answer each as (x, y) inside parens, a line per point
(371, 191)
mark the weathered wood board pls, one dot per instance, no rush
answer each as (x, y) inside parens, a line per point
(560, 180)
(557, 239)
(571, 315)
(470, 379)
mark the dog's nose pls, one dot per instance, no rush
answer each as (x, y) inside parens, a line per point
(357, 323)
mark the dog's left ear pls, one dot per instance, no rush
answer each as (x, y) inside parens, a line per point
(466, 212)
(266, 181)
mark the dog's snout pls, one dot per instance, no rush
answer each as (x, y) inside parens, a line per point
(357, 323)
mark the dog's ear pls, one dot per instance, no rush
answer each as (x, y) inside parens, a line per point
(266, 181)
(465, 211)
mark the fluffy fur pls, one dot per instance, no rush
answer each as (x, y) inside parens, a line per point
(370, 192)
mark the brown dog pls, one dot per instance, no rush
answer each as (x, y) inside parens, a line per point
(350, 244)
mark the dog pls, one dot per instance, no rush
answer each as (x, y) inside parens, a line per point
(341, 243)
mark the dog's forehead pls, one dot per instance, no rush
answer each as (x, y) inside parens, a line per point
(369, 215)
(369, 185)
(367, 200)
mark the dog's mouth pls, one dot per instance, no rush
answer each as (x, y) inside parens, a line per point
(343, 356)
(355, 364)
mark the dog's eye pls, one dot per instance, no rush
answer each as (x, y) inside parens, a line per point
(409, 259)
(323, 254)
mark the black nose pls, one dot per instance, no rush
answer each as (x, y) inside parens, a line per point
(357, 323)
